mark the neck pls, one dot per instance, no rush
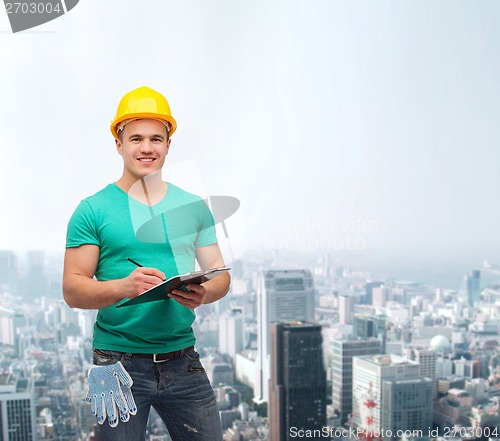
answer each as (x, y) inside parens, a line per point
(149, 190)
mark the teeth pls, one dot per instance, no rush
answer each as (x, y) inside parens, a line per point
(146, 159)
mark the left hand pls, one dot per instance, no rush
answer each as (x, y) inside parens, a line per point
(192, 298)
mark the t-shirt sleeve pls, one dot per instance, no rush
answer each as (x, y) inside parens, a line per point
(82, 227)
(206, 231)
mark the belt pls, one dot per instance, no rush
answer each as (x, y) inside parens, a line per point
(160, 358)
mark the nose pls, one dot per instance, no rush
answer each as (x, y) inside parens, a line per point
(146, 146)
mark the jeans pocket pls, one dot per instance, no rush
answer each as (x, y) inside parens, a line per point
(194, 363)
(101, 357)
(195, 367)
(192, 355)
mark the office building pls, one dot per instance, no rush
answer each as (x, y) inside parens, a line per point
(17, 409)
(11, 323)
(36, 283)
(298, 380)
(231, 332)
(237, 269)
(368, 297)
(343, 352)
(283, 295)
(368, 326)
(453, 409)
(86, 320)
(8, 271)
(426, 358)
(473, 287)
(346, 309)
(370, 373)
(406, 405)
(470, 291)
(218, 372)
(444, 385)
(380, 296)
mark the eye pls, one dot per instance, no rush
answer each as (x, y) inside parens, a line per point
(155, 139)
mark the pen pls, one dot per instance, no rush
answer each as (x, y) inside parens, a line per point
(134, 262)
(138, 264)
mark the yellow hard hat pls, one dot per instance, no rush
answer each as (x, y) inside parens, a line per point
(143, 102)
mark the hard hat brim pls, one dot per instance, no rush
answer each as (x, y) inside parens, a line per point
(167, 118)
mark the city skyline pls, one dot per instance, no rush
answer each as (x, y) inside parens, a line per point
(451, 346)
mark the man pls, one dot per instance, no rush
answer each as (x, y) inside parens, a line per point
(157, 225)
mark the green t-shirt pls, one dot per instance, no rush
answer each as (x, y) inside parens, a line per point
(162, 236)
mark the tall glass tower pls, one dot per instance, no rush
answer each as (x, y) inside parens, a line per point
(298, 380)
(283, 295)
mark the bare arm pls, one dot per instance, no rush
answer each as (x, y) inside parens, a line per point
(81, 290)
(210, 291)
(211, 257)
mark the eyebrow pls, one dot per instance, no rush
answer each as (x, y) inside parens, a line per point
(156, 135)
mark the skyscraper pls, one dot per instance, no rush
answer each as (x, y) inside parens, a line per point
(231, 332)
(17, 409)
(35, 283)
(8, 271)
(283, 295)
(380, 295)
(237, 271)
(346, 309)
(368, 297)
(343, 352)
(473, 287)
(470, 290)
(298, 380)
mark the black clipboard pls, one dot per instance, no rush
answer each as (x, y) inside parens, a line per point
(159, 292)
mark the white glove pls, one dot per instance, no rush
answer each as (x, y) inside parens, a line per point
(109, 388)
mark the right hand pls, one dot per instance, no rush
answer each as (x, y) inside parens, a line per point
(140, 280)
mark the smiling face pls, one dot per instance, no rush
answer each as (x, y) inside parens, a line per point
(143, 145)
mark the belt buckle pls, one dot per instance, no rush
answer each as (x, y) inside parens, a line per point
(158, 361)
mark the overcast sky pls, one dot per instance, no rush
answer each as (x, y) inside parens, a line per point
(375, 122)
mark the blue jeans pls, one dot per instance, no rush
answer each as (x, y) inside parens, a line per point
(178, 390)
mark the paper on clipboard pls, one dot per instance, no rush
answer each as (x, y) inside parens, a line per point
(159, 292)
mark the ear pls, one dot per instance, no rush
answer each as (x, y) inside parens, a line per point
(118, 146)
(168, 144)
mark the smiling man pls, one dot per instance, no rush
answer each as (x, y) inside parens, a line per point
(144, 354)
